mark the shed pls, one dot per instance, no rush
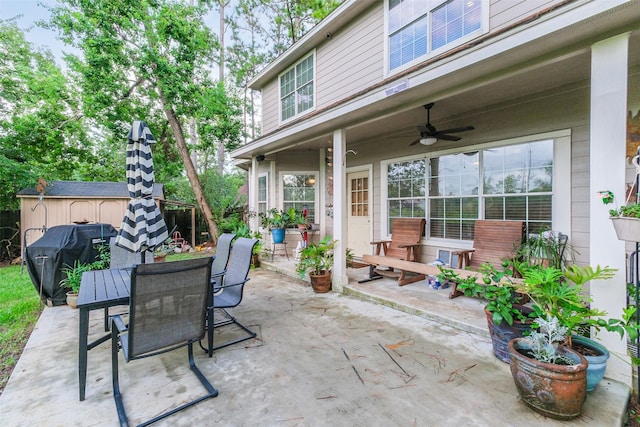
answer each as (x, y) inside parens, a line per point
(74, 202)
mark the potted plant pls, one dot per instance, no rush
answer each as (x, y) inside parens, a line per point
(625, 219)
(546, 248)
(73, 277)
(559, 294)
(276, 221)
(507, 316)
(551, 378)
(317, 260)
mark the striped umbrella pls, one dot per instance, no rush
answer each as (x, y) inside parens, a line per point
(143, 227)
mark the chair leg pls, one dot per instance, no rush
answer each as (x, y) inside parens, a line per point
(117, 396)
(228, 321)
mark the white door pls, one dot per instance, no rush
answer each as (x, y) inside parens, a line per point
(359, 213)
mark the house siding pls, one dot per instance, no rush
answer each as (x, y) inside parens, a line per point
(352, 60)
(340, 75)
(508, 12)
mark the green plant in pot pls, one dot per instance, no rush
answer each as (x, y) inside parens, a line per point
(316, 260)
(72, 280)
(276, 221)
(507, 316)
(625, 219)
(559, 294)
(551, 378)
(546, 248)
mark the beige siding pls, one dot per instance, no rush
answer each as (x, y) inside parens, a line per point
(352, 60)
(270, 107)
(508, 12)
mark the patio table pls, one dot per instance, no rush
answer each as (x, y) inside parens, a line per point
(98, 289)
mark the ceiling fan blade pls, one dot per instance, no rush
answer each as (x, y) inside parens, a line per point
(448, 137)
(425, 130)
(414, 142)
(455, 130)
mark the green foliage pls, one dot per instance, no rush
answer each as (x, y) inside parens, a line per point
(547, 339)
(545, 248)
(73, 275)
(316, 257)
(42, 133)
(496, 287)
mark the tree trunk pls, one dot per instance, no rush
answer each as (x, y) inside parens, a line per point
(192, 175)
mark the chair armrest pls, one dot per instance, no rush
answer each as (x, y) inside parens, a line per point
(381, 244)
(233, 284)
(413, 245)
(117, 323)
(462, 251)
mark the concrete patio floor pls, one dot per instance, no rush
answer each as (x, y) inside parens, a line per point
(318, 360)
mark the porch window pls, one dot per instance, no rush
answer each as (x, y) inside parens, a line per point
(518, 184)
(299, 192)
(508, 182)
(297, 88)
(262, 193)
(405, 190)
(414, 30)
(453, 196)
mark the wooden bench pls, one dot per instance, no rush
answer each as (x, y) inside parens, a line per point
(406, 234)
(493, 242)
(421, 270)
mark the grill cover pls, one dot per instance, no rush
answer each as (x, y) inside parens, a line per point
(59, 246)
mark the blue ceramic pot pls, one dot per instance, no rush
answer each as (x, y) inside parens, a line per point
(597, 364)
(277, 234)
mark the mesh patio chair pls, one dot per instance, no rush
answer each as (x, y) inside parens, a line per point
(221, 258)
(167, 310)
(230, 293)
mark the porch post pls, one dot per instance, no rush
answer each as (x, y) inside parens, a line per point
(339, 209)
(253, 194)
(607, 172)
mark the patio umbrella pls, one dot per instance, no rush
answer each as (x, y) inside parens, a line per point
(143, 227)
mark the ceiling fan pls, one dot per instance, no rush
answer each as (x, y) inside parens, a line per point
(429, 134)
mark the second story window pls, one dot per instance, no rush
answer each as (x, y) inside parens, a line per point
(415, 30)
(297, 88)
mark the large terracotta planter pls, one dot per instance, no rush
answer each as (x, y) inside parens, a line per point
(627, 229)
(502, 333)
(597, 363)
(555, 391)
(321, 283)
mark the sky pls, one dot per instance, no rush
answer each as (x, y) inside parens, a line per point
(26, 13)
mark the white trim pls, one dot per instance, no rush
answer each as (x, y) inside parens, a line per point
(266, 201)
(297, 113)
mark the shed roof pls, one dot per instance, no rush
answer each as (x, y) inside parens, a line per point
(82, 189)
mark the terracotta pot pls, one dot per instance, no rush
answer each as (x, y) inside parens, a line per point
(555, 391)
(72, 299)
(321, 283)
(502, 333)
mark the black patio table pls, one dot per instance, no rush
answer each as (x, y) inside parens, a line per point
(98, 289)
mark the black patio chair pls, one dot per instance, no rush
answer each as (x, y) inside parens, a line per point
(230, 293)
(167, 310)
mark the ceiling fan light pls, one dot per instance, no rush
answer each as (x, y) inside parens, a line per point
(429, 140)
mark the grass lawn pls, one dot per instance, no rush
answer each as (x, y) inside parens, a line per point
(20, 308)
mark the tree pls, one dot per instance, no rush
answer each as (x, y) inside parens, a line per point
(142, 56)
(41, 131)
